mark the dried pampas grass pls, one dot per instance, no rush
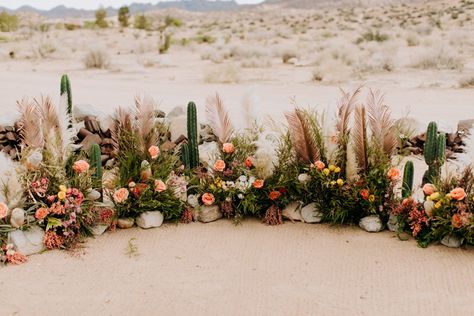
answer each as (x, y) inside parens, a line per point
(219, 119)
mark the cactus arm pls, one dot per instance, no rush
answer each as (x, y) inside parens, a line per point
(407, 186)
(96, 163)
(185, 155)
(192, 136)
(66, 88)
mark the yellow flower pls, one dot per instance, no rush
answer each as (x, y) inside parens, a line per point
(340, 182)
(333, 183)
(371, 198)
(428, 198)
(337, 170)
(326, 171)
(332, 167)
(62, 188)
(448, 197)
(435, 196)
(438, 204)
(212, 187)
(61, 195)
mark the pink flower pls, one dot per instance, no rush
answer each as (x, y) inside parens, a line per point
(121, 195)
(154, 151)
(160, 186)
(458, 194)
(80, 166)
(219, 165)
(3, 210)
(429, 189)
(393, 174)
(258, 184)
(208, 199)
(228, 148)
(319, 165)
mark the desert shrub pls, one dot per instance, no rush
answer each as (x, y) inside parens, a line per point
(439, 59)
(204, 38)
(96, 58)
(412, 40)
(371, 36)
(44, 49)
(123, 16)
(467, 83)
(172, 21)
(71, 26)
(141, 22)
(287, 55)
(166, 44)
(316, 75)
(100, 18)
(90, 25)
(226, 74)
(8, 22)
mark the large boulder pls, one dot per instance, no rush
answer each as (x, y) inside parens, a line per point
(81, 111)
(392, 223)
(293, 211)
(451, 241)
(29, 241)
(208, 152)
(125, 222)
(150, 219)
(310, 214)
(207, 214)
(178, 127)
(372, 223)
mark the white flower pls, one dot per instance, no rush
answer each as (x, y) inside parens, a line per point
(243, 178)
(193, 200)
(304, 178)
(251, 180)
(228, 199)
(230, 184)
(240, 196)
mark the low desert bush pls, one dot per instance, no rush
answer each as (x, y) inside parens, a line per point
(8, 22)
(467, 83)
(43, 49)
(372, 36)
(97, 58)
(439, 59)
(224, 74)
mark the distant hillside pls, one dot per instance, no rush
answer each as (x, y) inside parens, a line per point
(314, 4)
(188, 5)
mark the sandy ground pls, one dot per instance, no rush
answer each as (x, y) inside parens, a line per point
(250, 269)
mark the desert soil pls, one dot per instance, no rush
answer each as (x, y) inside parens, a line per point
(249, 269)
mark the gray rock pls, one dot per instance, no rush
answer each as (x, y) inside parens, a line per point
(17, 218)
(371, 223)
(465, 125)
(206, 134)
(206, 214)
(93, 195)
(451, 241)
(89, 141)
(176, 112)
(28, 242)
(150, 219)
(293, 211)
(310, 214)
(178, 127)
(98, 230)
(125, 223)
(392, 223)
(208, 152)
(80, 111)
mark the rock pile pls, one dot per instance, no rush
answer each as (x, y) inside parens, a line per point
(10, 140)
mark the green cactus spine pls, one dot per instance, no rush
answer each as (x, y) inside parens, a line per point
(96, 163)
(185, 155)
(193, 142)
(434, 152)
(407, 185)
(66, 88)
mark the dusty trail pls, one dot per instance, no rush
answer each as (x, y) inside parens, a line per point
(250, 269)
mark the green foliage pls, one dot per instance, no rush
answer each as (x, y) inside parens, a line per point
(434, 153)
(166, 45)
(124, 16)
(371, 36)
(185, 155)
(193, 136)
(201, 39)
(141, 22)
(66, 88)
(172, 21)
(8, 22)
(101, 18)
(407, 184)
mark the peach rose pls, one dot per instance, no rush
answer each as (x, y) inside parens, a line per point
(208, 199)
(80, 166)
(458, 194)
(160, 186)
(219, 165)
(365, 194)
(319, 165)
(41, 213)
(154, 151)
(429, 189)
(393, 174)
(3, 210)
(258, 184)
(121, 195)
(228, 148)
(248, 162)
(274, 195)
(456, 221)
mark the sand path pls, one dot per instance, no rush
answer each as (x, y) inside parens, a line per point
(250, 269)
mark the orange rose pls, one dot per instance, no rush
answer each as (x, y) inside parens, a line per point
(219, 165)
(429, 189)
(456, 221)
(365, 194)
(154, 151)
(458, 194)
(121, 195)
(393, 174)
(274, 195)
(248, 162)
(228, 148)
(258, 184)
(41, 213)
(319, 165)
(3, 210)
(80, 166)
(160, 186)
(208, 199)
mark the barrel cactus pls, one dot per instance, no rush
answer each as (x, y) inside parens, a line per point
(407, 184)
(434, 153)
(193, 141)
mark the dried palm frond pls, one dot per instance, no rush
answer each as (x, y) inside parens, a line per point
(145, 126)
(382, 126)
(359, 135)
(122, 121)
(301, 137)
(30, 124)
(219, 119)
(249, 108)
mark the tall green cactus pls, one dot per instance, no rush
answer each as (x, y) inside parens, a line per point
(66, 88)
(193, 142)
(96, 163)
(407, 185)
(434, 153)
(185, 155)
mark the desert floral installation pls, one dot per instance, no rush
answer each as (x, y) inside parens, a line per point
(77, 176)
